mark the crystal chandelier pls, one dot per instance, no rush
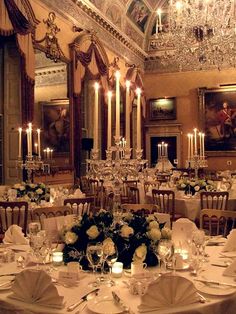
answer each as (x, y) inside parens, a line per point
(196, 34)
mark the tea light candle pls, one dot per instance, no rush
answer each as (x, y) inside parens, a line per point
(57, 258)
(117, 269)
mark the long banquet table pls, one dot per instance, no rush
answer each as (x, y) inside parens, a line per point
(214, 304)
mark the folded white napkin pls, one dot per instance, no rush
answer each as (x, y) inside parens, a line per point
(15, 235)
(230, 244)
(182, 230)
(78, 193)
(35, 286)
(230, 270)
(168, 291)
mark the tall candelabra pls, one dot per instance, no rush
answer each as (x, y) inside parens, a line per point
(196, 151)
(163, 163)
(32, 163)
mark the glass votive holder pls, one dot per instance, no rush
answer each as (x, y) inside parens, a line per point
(57, 258)
(117, 270)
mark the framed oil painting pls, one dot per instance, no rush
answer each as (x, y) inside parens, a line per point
(139, 13)
(218, 118)
(56, 125)
(162, 108)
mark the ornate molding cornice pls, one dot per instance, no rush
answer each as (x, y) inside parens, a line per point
(51, 76)
(87, 18)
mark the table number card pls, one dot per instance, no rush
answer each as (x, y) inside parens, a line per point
(68, 278)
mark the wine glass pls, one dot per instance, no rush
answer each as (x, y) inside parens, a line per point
(33, 228)
(36, 244)
(94, 255)
(110, 255)
(165, 251)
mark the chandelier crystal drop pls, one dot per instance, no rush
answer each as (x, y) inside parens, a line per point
(196, 34)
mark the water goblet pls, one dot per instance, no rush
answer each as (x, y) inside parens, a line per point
(94, 255)
(110, 255)
(165, 251)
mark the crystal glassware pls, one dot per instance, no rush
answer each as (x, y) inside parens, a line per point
(94, 255)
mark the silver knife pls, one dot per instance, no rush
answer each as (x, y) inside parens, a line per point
(218, 283)
(118, 300)
(71, 307)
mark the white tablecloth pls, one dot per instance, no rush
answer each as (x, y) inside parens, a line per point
(215, 304)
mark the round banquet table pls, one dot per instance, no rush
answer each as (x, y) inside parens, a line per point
(189, 207)
(214, 304)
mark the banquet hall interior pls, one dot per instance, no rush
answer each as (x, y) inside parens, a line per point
(118, 126)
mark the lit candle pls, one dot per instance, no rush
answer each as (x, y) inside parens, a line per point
(57, 258)
(189, 139)
(117, 75)
(200, 144)
(20, 142)
(51, 151)
(203, 145)
(95, 130)
(109, 127)
(138, 92)
(162, 149)
(27, 135)
(195, 141)
(117, 269)
(39, 143)
(191, 148)
(159, 19)
(36, 148)
(159, 151)
(48, 152)
(127, 114)
(30, 139)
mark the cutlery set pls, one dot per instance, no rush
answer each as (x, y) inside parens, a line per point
(217, 283)
(84, 298)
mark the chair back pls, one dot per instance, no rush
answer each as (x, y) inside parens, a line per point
(13, 213)
(79, 206)
(217, 221)
(165, 199)
(41, 213)
(147, 208)
(133, 195)
(149, 184)
(125, 189)
(214, 200)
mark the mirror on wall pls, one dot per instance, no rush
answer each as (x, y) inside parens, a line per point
(52, 110)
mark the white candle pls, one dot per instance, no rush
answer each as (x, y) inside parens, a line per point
(200, 144)
(30, 139)
(39, 143)
(20, 143)
(36, 148)
(138, 92)
(27, 136)
(191, 148)
(95, 130)
(159, 19)
(166, 153)
(189, 139)
(159, 151)
(162, 149)
(117, 269)
(117, 75)
(195, 141)
(127, 114)
(109, 127)
(57, 258)
(203, 145)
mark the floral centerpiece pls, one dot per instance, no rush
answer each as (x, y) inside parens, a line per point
(191, 186)
(135, 235)
(33, 192)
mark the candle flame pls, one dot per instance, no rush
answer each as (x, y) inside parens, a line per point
(117, 75)
(127, 83)
(109, 93)
(138, 91)
(159, 11)
(96, 86)
(38, 130)
(20, 130)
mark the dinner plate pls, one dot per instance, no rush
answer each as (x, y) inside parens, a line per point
(216, 241)
(6, 282)
(214, 289)
(104, 305)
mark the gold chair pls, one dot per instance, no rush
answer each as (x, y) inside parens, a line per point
(217, 221)
(153, 184)
(80, 206)
(13, 213)
(133, 195)
(125, 189)
(147, 208)
(41, 213)
(165, 199)
(214, 200)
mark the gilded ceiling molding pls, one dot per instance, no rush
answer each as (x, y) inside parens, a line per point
(88, 19)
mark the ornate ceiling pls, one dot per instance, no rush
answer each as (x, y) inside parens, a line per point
(126, 26)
